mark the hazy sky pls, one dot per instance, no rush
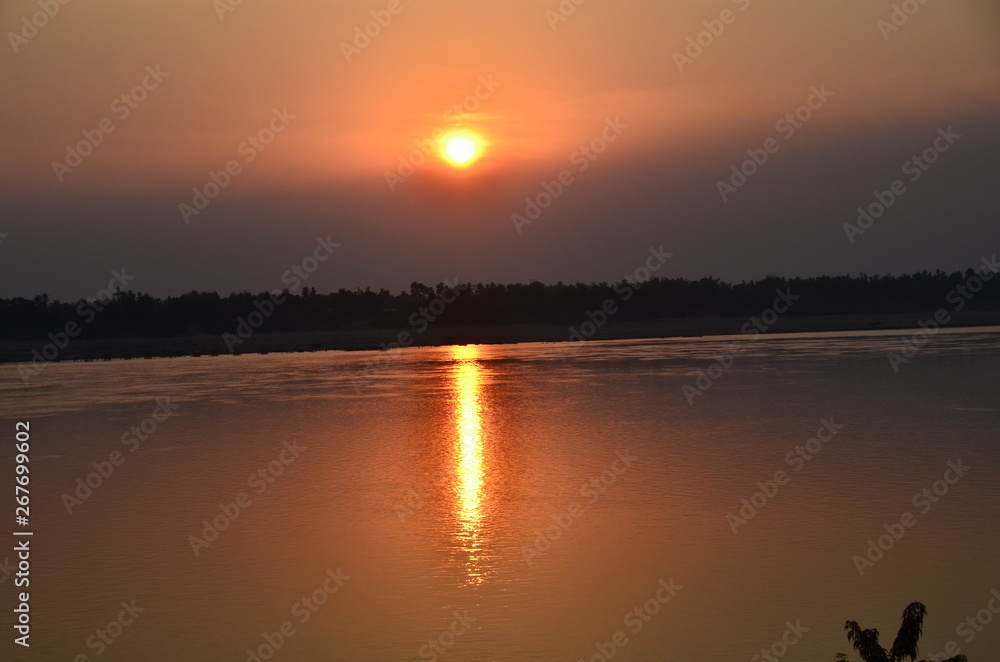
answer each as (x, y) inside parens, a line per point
(314, 119)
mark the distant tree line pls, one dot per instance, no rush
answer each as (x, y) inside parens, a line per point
(134, 314)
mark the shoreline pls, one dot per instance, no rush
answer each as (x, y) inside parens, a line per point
(375, 338)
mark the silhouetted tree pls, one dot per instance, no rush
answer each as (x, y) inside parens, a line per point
(133, 314)
(866, 642)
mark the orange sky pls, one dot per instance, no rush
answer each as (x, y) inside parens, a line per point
(550, 91)
(555, 86)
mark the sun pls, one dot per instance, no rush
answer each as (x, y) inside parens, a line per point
(460, 150)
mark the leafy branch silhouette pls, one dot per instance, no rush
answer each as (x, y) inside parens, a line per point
(866, 642)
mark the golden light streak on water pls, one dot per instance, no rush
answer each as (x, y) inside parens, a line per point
(470, 462)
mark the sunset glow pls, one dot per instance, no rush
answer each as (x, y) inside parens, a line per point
(501, 331)
(434, 130)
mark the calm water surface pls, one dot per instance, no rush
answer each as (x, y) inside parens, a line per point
(488, 482)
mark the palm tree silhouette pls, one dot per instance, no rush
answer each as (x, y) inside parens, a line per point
(866, 641)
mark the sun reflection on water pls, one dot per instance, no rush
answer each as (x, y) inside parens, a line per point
(470, 462)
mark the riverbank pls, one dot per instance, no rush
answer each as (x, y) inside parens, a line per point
(374, 338)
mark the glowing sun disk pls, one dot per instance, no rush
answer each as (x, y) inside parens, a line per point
(460, 150)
